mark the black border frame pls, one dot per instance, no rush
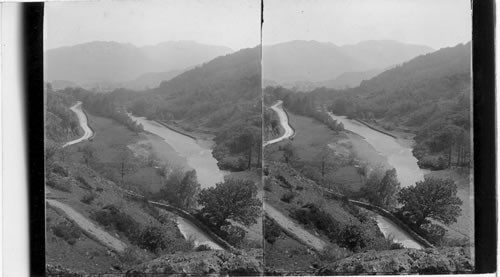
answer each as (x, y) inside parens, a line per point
(32, 71)
(483, 68)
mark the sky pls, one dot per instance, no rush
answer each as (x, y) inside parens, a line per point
(236, 23)
(231, 23)
(435, 23)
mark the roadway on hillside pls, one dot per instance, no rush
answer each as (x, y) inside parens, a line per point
(283, 117)
(300, 233)
(88, 227)
(82, 118)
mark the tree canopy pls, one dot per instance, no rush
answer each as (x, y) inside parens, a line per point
(234, 200)
(381, 189)
(430, 199)
(181, 189)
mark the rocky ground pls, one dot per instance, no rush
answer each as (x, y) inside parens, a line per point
(204, 263)
(403, 261)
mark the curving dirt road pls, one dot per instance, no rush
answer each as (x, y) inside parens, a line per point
(89, 227)
(292, 227)
(82, 118)
(278, 108)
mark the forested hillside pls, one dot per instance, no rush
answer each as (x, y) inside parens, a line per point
(222, 96)
(61, 124)
(429, 95)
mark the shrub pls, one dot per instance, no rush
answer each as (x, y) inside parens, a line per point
(131, 256)
(268, 185)
(84, 182)
(88, 198)
(202, 247)
(152, 239)
(432, 162)
(396, 245)
(332, 253)
(287, 196)
(352, 238)
(271, 230)
(311, 215)
(59, 170)
(59, 183)
(283, 182)
(433, 232)
(233, 234)
(112, 217)
(67, 231)
(233, 163)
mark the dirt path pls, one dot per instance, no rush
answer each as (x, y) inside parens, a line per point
(88, 227)
(294, 228)
(82, 118)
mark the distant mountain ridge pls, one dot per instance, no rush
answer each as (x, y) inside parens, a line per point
(107, 63)
(300, 62)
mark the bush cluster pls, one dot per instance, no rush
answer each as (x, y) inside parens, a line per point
(287, 196)
(111, 217)
(271, 230)
(88, 198)
(232, 163)
(311, 215)
(67, 231)
(58, 182)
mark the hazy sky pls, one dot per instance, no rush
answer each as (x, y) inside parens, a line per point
(232, 23)
(236, 23)
(436, 23)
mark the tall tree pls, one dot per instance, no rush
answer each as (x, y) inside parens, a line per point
(181, 189)
(233, 199)
(324, 158)
(432, 198)
(388, 188)
(124, 160)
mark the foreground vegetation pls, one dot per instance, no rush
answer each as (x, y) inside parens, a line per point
(91, 177)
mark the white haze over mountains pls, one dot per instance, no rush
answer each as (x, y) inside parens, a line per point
(108, 65)
(308, 64)
(302, 65)
(339, 43)
(109, 44)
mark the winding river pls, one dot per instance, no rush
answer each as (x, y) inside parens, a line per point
(398, 156)
(199, 158)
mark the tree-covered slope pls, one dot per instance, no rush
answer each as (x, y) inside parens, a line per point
(222, 95)
(429, 95)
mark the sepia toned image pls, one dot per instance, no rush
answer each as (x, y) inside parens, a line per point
(368, 137)
(153, 137)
